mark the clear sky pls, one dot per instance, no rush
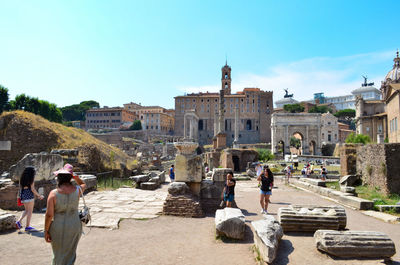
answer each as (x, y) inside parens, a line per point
(147, 52)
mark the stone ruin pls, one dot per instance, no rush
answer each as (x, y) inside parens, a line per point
(149, 181)
(184, 194)
(310, 218)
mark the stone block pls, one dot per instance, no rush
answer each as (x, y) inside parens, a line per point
(355, 244)
(65, 152)
(149, 185)
(384, 208)
(230, 222)
(161, 175)
(315, 182)
(45, 165)
(7, 221)
(348, 189)
(348, 180)
(306, 220)
(188, 168)
(339, 211)
(219, 174)
(140, 178)
(251, 173)
(90, 181)
(267, 235)
(155, 180)
(178, 188)
(185, 205)
(5, 145)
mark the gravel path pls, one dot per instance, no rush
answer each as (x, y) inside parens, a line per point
(173, 240)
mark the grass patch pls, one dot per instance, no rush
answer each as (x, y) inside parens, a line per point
(257, 254)
(333, 185)
(371, 193)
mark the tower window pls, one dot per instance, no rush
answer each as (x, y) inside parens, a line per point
(226, 85)
(226, 75)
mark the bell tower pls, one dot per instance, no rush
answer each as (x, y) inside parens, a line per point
(226, 78)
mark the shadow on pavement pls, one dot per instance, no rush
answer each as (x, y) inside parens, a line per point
(247, 213)
(305, 234)
(284, 250)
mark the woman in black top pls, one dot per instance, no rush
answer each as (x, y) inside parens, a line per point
(267, 182)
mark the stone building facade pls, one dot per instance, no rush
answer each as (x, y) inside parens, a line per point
(344, 131)
(371, 119)
(162, 123)
(108, 118)
(254, 107)
(329, 129)
(391, 96)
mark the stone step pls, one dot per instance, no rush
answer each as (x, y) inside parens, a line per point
(316, 182)
(355, 244)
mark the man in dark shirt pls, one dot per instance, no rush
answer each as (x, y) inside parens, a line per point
(229, 189)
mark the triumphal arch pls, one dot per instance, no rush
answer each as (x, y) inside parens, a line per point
(303, 126)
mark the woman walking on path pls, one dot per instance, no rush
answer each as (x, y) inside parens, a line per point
(229, 189)
(267, 182)
(63, 227)
(27, 194)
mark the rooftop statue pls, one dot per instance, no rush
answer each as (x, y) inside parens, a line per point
(365, 82)
(287, 95)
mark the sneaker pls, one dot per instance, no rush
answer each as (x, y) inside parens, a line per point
(262, 211)
(29, 229)
(18, 225)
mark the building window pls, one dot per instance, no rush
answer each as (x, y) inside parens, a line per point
(329, 138)
(201, 125)
(248, 125)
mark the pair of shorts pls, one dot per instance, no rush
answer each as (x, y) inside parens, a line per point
(265, 192)
(229, 197)
(26, 195)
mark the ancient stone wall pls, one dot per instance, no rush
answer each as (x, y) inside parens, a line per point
(348, 156)
(378, 165)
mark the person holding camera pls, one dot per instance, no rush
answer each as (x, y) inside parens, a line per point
(267, 182)
(63, 227)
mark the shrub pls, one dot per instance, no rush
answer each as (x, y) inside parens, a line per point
(358, 139)
(264, 154)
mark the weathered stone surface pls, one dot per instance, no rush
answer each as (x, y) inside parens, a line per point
(384, 208)
(348, 180)
(267, 235)
(45, 165)
(155, 180)
(219, 174)
(65, 152)
(306, 220)
(90, 181)
(178, 188)
(340, 211)
(344, 198)
(316, 182)
(185, 205)
(161, 175)
(355, 244)
(149, 185)
(230, 222)
(347, 189)
(140, 178)
(7, 221)
(251, 173)
(188, 168)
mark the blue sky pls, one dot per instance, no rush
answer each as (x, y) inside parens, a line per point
(147, 52)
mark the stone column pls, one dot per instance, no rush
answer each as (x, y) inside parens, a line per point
(191, 129)
(287, 144)
(273, 141)
(306, 144)
(216, 129)
(221, 112)
(318, 144)
(236, 140)
(184, 127)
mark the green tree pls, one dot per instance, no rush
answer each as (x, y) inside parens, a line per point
(136, 126)
(345, 114)
(293, 108)
(77, 112)
(295, 142)
(3, 98)
(319, 109)
(264, 154)
(358, 139)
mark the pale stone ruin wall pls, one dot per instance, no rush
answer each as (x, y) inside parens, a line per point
(378, 165)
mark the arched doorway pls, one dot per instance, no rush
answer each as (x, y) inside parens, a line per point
(236, 163)
(312, 147)
(296, 143)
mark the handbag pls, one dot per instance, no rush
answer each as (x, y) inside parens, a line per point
(84, 213)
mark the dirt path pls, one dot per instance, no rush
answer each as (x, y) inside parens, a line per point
(172, 240)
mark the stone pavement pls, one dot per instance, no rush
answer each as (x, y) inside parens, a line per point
(107, 208)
